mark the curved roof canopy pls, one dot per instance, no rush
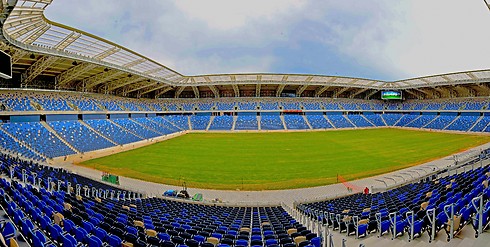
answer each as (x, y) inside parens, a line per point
(27, 28)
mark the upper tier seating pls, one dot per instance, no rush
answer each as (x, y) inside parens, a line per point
(312, 105)
(49, 103)
(16, 101)
(225, 106)
(205, 106)
(291, 106)
(269, 105)
(248, 105)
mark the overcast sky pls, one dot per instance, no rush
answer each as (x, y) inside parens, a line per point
(376, 39)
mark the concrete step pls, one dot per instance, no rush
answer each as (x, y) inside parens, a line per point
(50, 129)
(100, 134)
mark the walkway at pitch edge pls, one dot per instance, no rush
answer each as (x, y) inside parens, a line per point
(276, 197)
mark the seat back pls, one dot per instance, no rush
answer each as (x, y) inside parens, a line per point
(299, 239)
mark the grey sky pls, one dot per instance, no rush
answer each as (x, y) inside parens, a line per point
(376, 39)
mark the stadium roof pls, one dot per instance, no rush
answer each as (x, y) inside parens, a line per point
(84, 61)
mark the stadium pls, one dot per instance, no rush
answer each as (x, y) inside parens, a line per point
(103, 146)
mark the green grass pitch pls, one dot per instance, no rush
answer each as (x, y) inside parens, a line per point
(269, 161)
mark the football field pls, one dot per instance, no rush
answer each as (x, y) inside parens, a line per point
(282, 160)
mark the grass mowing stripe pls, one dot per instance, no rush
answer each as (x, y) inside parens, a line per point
(267, 161)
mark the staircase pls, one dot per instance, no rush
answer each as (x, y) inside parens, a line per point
(129, 131)
(345, 116)
(177, 127)
(365, 118)
(36, 106)
(383, 120)
(283, 122)
(430, 122)
(98, 133)
(330, 122)
(307, 122)
(259, 125)
(454, 120)
(73, 106)
(50, 129)
(189, 122)
(410, 121)
(146, 127)
(100, 106)
(210, 122)
(234, 122)
(397, 121)
(476, 122)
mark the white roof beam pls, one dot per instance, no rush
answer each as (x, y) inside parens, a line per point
(215, 91)
(107, 53)
(37, 68)
(100, 78)
(124, 82)
(35, 35)
(359, 91)
(139, 87)
(445, 93)
(338, 92)
(72, 73)
(162, 91)
(152, 89)
(67, 41)
(196, 92)
(280, 88)
(321, 90)
(301, 89)
(369, 95)
(430, 94)
(417, 95)
(236, 90)
(179, 91)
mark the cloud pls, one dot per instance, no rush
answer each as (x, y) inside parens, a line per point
(231, 14)
(378, 39)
